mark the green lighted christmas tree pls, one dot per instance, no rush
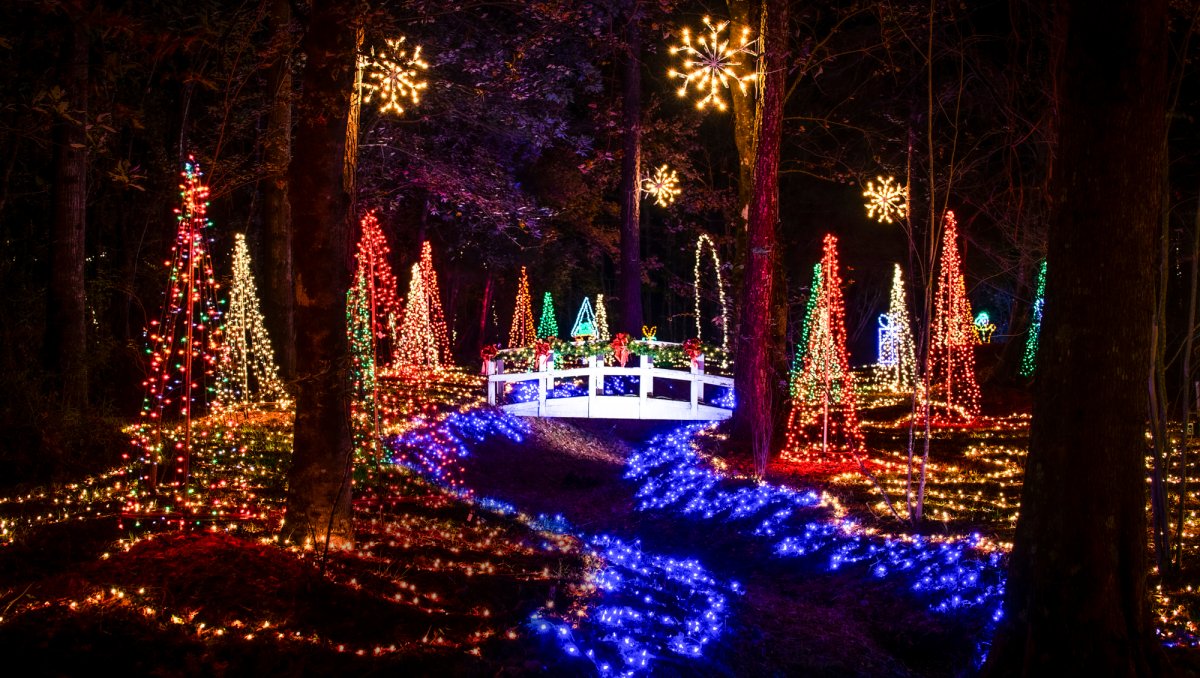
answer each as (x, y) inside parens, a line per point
(585, 322)
(1029, 360)
(548, 325)
(802, 345)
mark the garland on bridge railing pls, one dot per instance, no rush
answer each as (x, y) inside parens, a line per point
(663, 354)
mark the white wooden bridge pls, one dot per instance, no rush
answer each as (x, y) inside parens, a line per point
(644, 403)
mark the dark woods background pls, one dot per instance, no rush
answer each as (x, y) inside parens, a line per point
(513, 158)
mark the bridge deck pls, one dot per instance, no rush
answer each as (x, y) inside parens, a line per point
(593, 403)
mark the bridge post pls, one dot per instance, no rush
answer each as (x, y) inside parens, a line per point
(493, 367)
(544, 381)
(697, 386)
(644, 383)
(591, 384)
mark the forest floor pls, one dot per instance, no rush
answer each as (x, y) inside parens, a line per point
(516, 547)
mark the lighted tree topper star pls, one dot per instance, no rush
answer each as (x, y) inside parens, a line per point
(712, 64)
(663, 186)
(393, 74)
(887, 201)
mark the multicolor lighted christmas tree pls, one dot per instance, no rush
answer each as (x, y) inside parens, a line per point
(897, 352)
(601, 319)
(585, 322)
(823, 431)
(184, 347)
(372, 314)
(433, 299)
(953, 391)
(522, 333)
(1029, 360)
(248, 375)
(548, 325)
(416, 342)
(372, 304)
(802, 345)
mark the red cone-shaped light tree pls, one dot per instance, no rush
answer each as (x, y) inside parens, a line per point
(823, 431)
(953, 391)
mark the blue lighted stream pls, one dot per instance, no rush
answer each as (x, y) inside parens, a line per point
(655, 609)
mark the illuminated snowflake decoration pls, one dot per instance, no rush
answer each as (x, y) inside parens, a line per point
(887, 201)
(393, 76)
(712, 63)
(663, 186)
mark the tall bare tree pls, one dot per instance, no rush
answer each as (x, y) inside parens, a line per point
(754, 371)
(66, 329)
(631, 171)
(1076, 595)
(277, 218)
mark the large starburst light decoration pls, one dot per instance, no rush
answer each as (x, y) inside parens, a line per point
(394, 76)
(663, 186)
(712, 63)
(887, 201)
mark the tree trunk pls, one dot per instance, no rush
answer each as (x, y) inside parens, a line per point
(752, 373)
(1076, 594)
(277, 290)
(631, 171)
(743, 114)
(318, 510)
(66, 329)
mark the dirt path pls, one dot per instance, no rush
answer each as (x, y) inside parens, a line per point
(793, 619)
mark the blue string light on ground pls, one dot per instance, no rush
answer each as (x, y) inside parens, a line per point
(647, 606)
(956, 573)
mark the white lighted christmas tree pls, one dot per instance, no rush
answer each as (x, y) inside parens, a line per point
(248, 375)
(601, 319)
(897, 352)
(416, 345)
(433, 298)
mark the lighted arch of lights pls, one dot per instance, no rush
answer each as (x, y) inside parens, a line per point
(712, 247)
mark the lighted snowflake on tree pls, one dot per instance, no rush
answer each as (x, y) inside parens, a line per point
(393, 74)
(712, 63)
(887, 201)
(663, 186)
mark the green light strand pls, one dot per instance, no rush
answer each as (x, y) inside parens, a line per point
(1029, 360)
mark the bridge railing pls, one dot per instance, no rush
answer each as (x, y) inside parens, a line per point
(598, 404)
